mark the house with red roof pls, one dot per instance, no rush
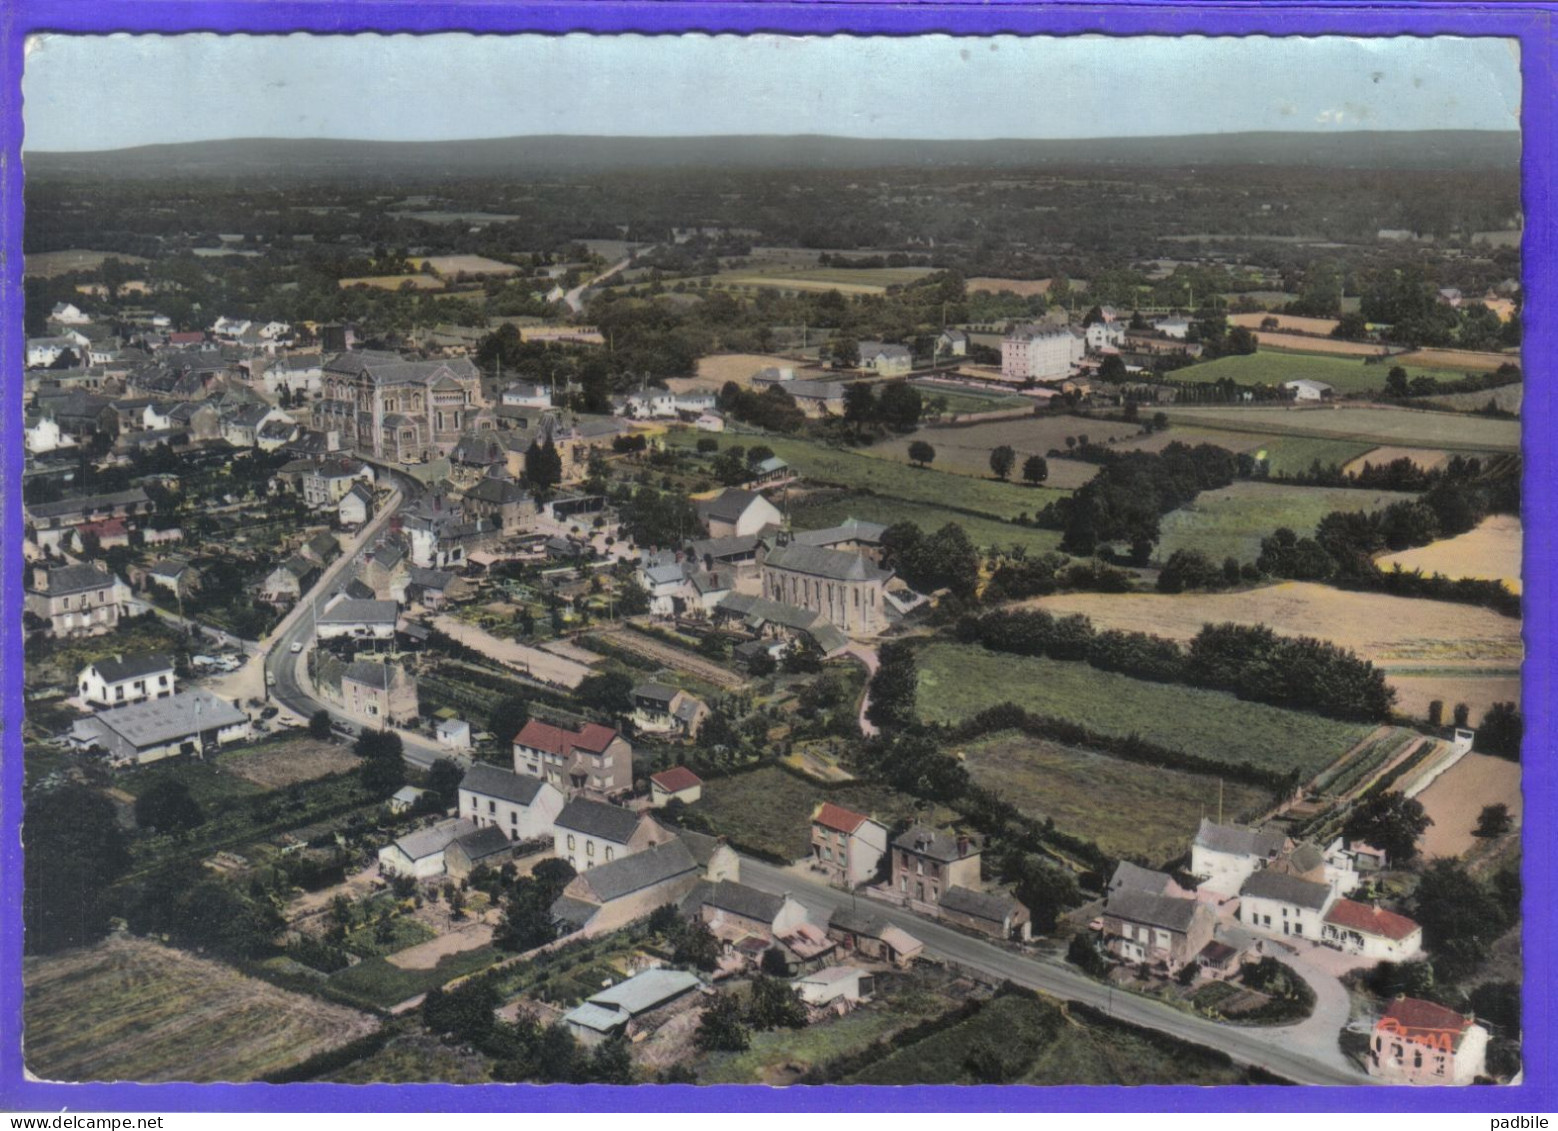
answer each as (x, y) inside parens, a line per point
(676, 784)
(1418, 1042)
(593, 760)
(846, 847)
(1368, 930)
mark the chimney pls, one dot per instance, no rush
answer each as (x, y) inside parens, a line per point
(962, 846)
(40, 578)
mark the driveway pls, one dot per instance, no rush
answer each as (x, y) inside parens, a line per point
(867, 656)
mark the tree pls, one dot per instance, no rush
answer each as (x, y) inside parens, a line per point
(1501, 731)
(900, 406)
(1035, 470)
(774, 963)
(1493, 821)
(609, 693)
(167, 807)
(1462, 714)
(720, 1028)
(1112, 369)
(860, 407)
(508, 718)
(72, 849)
(845, 352)
(543, 465)
(384, 767)
(693, 944)
(611, 1063)
(1396, 381)
(1001, 461)
(443, 779)
(921, 453)
(1390, 822)
(774, 1005)
(319, 724)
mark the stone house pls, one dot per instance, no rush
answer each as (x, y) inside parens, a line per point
(847, 847)
(76, 600)
(1159, 930)
(926, 862)
(594, 759)
(382, 693)
(611, 895)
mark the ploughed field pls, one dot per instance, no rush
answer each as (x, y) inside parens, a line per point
(957, 681)
(1371, 424)
(1491, 551)
(130, 1009)
(1086, 793)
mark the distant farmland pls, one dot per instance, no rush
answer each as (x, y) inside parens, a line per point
(1232, 521)
(1372, 424)
(1267, 367)
(816, 280)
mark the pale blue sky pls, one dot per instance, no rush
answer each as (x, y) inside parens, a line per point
(106, 92)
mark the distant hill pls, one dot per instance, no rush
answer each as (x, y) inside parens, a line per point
(564, 155)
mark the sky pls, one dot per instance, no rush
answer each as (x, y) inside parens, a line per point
(110, 92)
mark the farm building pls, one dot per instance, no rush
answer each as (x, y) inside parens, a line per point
(607, 897)
(834, 983)
(189, 723)
(630, 1006)
(1306, 390)
(1365, 929)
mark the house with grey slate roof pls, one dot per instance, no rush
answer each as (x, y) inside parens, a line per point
(524, 807)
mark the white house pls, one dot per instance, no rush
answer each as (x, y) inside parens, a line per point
(68, 314)
(737, 513)
(362, 619)
(1041, 353)
(43, 434)
(526, 394)
(116, 682)
(1176, 328)
(1108, 332)
(356, 506)
(421, 854)
(44, 352)
(1422, 1042)
(676, 784)
(453, 734)
(1307, 390)
(1281, 905)
(1364, 929)
(1224, 856)
(953, 343)
(586, 833)
(525, 808)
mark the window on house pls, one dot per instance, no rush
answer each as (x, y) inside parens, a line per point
(513, 818)
(570, 845)
(589, 848)
(492, 806)
(610, 854)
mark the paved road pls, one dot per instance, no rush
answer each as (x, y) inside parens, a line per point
(1279, 1049)
(575, 297)
(285, 670)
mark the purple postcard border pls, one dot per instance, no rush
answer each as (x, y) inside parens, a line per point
(1530, 23)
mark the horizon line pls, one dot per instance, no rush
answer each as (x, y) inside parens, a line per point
(256, 138)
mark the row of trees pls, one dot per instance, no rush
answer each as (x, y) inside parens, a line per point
(1132, 491)
(1251, 661)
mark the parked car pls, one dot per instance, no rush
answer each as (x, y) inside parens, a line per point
(297, 646)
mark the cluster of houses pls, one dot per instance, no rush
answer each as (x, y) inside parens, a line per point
(1256, 891)
(1261, 881)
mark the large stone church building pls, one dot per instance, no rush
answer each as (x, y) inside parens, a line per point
(396, 409)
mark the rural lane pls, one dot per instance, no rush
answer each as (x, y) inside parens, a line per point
(1289, 1051)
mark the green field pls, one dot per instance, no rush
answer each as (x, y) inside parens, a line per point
(962, 400)
(1374, 425)
(846, 280)
(958, 681)
(985, 532)
(1294, 455)
(1034, 1042)
(1085, 792)
(770, 809)
(1274, 367)
(1232, 521)
(820, 465)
